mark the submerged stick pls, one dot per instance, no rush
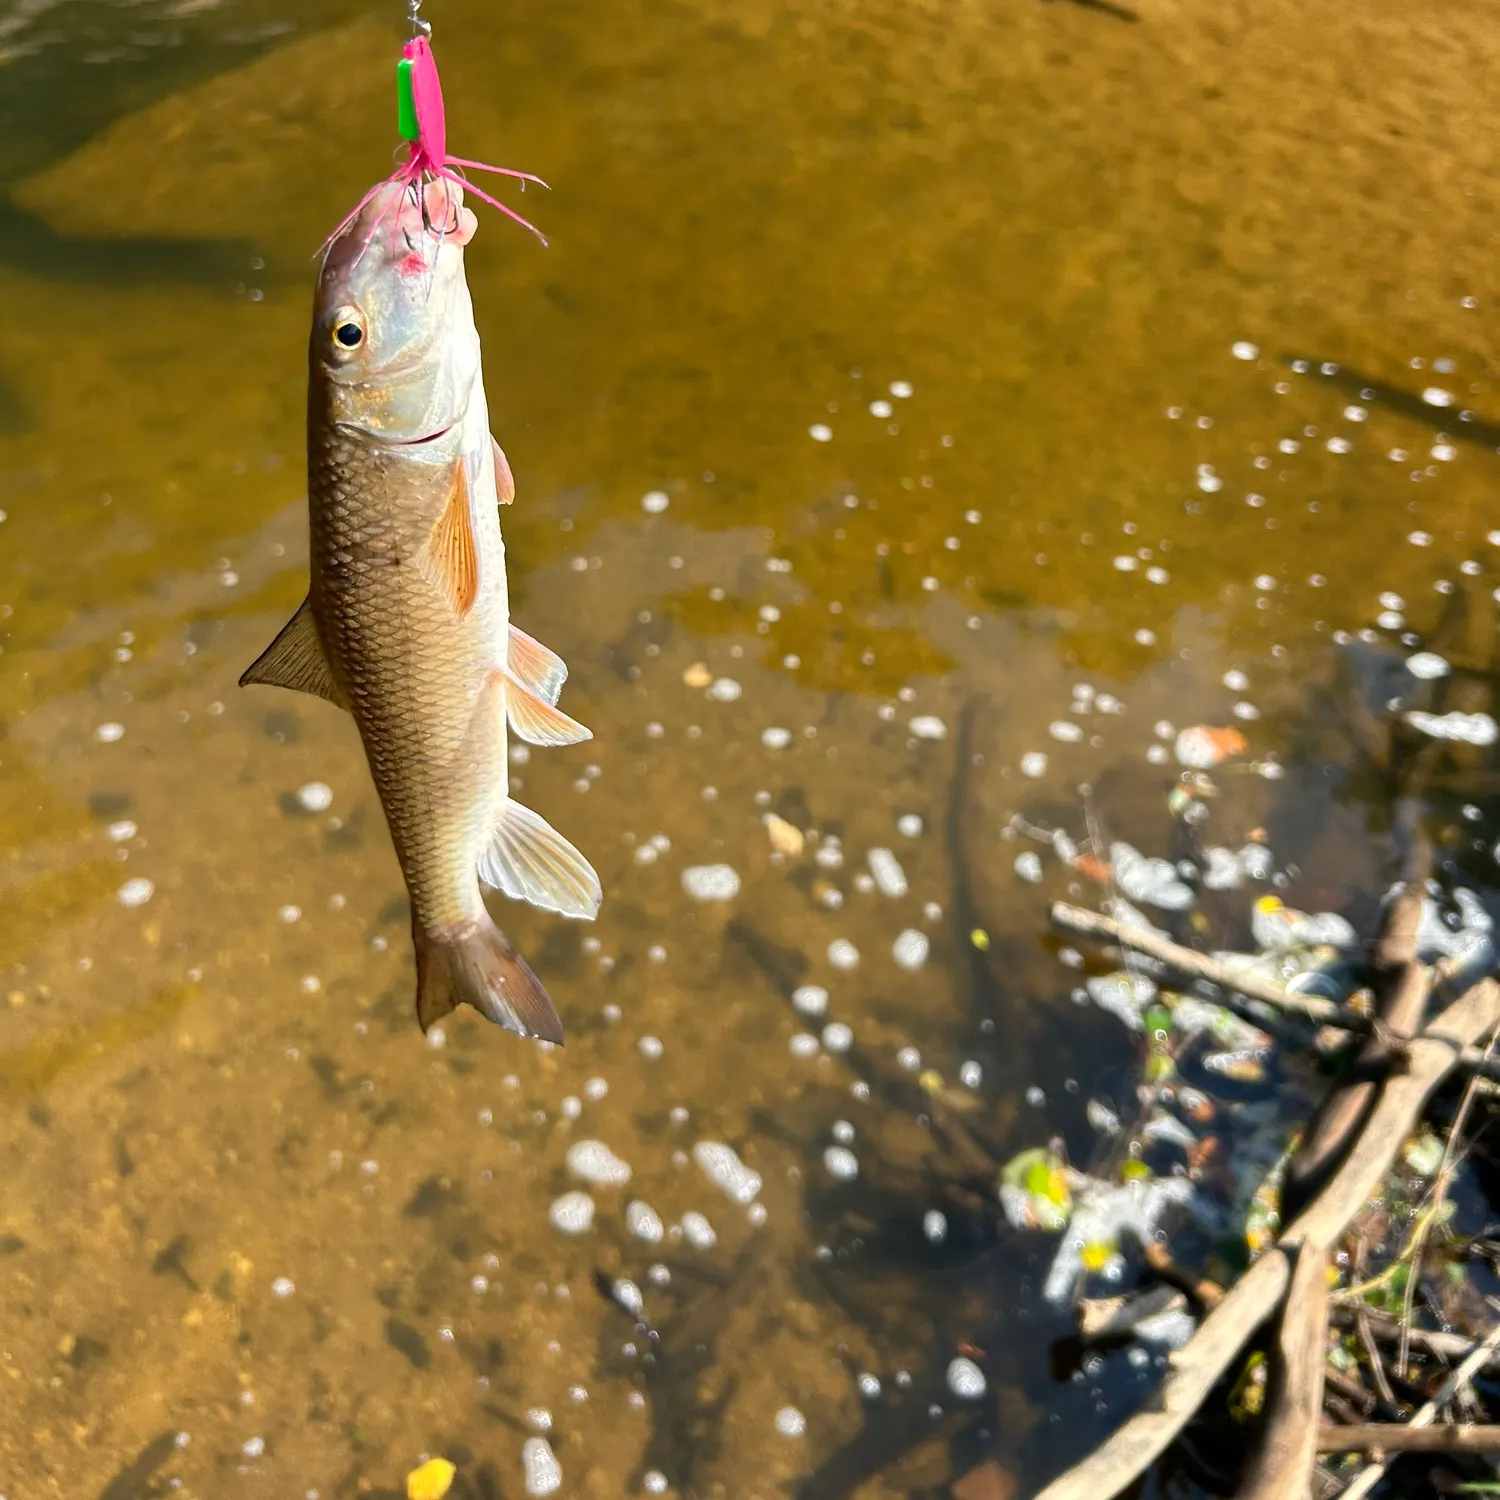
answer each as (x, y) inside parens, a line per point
(1400, 986)
(1203, 1360)
(1387, 1330)
(1398, 1437)
(1077, 919)
(1424, 1417)
(1284, 1461)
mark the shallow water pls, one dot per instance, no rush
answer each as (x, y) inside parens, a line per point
(959, 341)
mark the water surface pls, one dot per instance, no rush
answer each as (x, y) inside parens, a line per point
(924, 320)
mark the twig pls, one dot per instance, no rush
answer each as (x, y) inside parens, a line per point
(1313, 1008)
(1283, 1463)
(1369, 1477)
(1202, 1361)
(1397, 1437)
(1366, 1333)
(1426, 1220)
(1205, 1292)
(1353, 1393)
(1387, 1329)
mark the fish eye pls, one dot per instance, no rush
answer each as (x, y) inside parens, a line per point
(350, 335)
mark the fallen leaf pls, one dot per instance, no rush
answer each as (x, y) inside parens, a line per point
(698, 675)
(431, 1481)
(988, 1482)
(786, 838)
(1203, 746)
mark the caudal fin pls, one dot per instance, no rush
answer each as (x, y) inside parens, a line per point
(473, 963)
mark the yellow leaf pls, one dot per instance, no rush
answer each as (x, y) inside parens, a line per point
(431, 1481)
(1096, 1255)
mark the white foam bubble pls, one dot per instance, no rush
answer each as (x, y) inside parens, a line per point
(573, 1213)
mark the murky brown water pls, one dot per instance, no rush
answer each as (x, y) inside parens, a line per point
(1051, 222)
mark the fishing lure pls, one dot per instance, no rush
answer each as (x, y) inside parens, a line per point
(421, 120)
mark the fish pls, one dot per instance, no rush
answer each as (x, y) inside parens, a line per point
(406, 623)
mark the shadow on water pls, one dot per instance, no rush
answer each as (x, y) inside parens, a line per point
(1453, 420)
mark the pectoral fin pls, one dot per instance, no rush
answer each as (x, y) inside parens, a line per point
(295, 660)
(530, 861)
(535, 720)
(451, 560)
(535, 667)
(505, 484)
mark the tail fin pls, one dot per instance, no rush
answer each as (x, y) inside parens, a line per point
(474, 963)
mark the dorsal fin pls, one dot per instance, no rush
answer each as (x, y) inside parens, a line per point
(295, 660)
(452, 560)
(535, 667)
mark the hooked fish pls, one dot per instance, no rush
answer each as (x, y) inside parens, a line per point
(406, 623)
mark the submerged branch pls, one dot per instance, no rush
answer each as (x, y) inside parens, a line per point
(1206, 1357)
(1195, 965)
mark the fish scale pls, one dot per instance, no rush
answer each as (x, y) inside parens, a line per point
(406, 623)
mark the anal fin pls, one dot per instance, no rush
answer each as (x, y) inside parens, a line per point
(535, 667)
(451, 558)
(530, 861)
(295, 659)
(535, 720)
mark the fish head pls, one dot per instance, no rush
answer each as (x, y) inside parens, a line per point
(394, 351)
